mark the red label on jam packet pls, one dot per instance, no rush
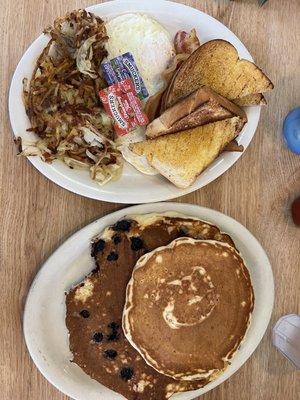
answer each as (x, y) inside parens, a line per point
(121, 103)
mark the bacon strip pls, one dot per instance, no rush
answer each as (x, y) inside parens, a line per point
(234, 146)
(186, 43)
(153, 104)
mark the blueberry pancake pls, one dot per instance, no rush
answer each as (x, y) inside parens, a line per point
(95, 307)
(198, 295)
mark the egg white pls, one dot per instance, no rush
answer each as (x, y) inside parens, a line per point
(152, 48)
(139, 162)
(149, 42)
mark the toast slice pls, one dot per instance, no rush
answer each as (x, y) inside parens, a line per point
(182, 156)
(216, 64)
(199, 108)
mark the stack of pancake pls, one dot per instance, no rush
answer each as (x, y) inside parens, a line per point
(165, 309)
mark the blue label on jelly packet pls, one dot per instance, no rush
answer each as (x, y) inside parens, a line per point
(121, 68)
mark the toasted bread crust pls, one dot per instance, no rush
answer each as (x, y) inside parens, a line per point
(182, 156)
(256, 99)
(201, 107)
(216, 64)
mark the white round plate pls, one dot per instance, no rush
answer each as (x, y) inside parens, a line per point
(133, 186)
(45, 331)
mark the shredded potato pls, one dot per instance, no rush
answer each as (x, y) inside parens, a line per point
(62, 102)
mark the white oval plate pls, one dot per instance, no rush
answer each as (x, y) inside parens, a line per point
(45, 331)
(133, 186)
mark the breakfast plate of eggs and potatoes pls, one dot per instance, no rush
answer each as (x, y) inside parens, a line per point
(135, 101)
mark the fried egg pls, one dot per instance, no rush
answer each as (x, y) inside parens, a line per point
(139, 162)
(152, 48)
(149, 42)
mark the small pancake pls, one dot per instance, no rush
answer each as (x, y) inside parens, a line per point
(95, 307)
(188, 307)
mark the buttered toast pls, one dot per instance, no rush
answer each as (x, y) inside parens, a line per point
(216, 64)
(201, 107)
(182, 156)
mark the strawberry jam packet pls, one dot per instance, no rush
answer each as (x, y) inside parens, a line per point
(122, 104)
(121, 68)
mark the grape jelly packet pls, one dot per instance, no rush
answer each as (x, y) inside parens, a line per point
(121, 68)
(121, 103)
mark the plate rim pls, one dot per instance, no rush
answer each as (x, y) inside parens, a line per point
(123, 196)
(142, 209)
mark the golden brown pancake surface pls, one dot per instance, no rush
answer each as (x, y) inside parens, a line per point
(188, 307)
(95, 307)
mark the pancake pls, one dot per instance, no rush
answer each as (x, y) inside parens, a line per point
(188, 307)
(95, 307)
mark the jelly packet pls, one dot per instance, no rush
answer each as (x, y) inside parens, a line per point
(121, 68)
(122, 104)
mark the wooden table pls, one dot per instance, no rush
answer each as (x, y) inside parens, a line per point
(37, 216)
